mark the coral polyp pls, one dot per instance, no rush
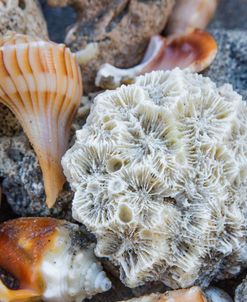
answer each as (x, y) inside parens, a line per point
(159, 177)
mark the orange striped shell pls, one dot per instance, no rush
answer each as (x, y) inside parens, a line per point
(41, 83)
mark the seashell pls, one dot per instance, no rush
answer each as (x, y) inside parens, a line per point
(41, 83)
(159, 174)
(48, 259)
(119, 31)
(193, 51)
(87, 54)
(191, 14)
(193, 294)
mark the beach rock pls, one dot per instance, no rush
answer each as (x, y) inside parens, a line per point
(214, 294)
(22, 16)
(230, 15)
(241, 292)
(58, 20)
(230, 65)
(121, 30)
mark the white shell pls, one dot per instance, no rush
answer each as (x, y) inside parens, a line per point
(159, 174)
(53, 261)
(70, 272)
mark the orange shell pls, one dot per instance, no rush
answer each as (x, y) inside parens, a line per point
(194, 50)
(23, 242)
(40, 82)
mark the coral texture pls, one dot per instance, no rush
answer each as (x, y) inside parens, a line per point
(22, 16)
(159, 174)
(121, 29)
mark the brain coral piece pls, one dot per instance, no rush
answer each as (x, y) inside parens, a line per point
(159, 174)
(120, 29)
(22, 16)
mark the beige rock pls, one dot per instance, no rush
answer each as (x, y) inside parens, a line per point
(122, 30)
(22, 16)
(193, 294)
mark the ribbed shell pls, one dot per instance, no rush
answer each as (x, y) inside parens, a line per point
(41, 83)
(49, 260)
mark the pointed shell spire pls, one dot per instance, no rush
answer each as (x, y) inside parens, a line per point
(41, 83)
(48, 259)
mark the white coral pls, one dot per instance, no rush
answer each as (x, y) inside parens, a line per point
(159, 172)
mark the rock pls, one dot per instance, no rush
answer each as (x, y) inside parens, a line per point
(58, 20)
(241, 292)
(22, 16)
(121, 29)
(214, 294)
(22, 180)
(9, 125)
(230, 15)
(230, 65)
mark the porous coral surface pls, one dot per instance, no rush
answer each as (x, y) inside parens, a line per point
(159, 174)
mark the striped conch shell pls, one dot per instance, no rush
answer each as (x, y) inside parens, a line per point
(47, 259)
(41, 83)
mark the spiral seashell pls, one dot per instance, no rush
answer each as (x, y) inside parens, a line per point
(48, 259)
(41, 83)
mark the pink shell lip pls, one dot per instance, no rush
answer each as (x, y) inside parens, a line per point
(40, 82)
(194, 50)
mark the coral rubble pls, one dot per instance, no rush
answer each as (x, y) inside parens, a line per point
(159, 174)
